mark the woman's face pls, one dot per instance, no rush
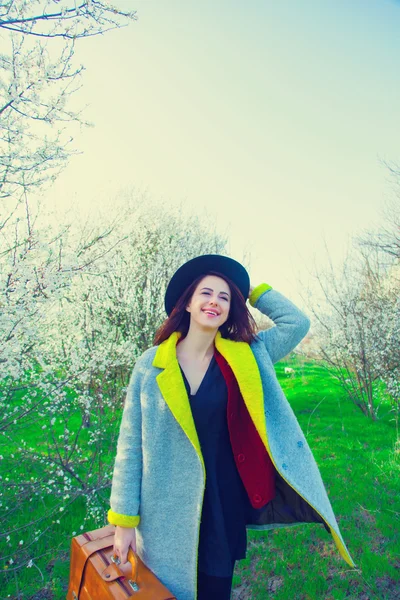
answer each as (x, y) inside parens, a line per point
(211, 294)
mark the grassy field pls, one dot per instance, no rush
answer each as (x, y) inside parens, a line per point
(359, 463)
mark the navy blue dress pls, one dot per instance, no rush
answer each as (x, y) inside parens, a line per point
(223, 536)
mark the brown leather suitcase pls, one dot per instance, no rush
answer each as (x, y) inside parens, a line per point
(94, 575)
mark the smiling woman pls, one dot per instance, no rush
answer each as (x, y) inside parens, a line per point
(209, 445)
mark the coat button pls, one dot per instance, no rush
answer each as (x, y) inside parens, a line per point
(300, 444)
(257, 498)
(241, 457)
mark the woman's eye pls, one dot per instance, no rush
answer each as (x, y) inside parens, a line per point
(223, 297)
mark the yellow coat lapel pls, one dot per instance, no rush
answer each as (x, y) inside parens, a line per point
(240, 358)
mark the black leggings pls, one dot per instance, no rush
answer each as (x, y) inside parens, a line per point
(210, 587)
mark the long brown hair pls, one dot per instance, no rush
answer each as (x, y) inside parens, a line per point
(240, 325)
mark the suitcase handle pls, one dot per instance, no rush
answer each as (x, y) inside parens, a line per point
(132, 558)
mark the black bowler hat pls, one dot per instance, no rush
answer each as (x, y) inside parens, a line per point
(201, 265)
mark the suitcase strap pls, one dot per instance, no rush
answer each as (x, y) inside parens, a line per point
(81, 558)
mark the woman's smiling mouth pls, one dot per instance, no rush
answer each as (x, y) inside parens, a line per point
(210, 313)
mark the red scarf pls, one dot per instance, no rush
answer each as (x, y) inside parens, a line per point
(252, 459)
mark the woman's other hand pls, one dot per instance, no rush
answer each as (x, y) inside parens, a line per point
(251, 289)
(124, 538)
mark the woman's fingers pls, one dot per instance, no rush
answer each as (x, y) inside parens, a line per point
(121, 552)
(123, 539)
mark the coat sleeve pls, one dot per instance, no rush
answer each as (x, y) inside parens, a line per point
(291, 324)
(127, 476)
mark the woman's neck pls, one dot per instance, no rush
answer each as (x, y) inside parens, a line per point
(197, 346)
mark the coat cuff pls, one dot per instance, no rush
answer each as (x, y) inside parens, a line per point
(122, 520)
(258, 291)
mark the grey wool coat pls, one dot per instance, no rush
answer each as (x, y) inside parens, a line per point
(159, 474)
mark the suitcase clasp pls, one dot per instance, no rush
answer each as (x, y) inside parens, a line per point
(133, 585)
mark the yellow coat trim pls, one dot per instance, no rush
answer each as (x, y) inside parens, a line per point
(122, 520)
(257, 292)
(173, 389)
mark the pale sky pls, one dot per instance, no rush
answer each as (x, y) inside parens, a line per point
(273, 116)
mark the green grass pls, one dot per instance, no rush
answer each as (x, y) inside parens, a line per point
(359, 463)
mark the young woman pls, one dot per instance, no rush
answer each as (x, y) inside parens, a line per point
(209, 445)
